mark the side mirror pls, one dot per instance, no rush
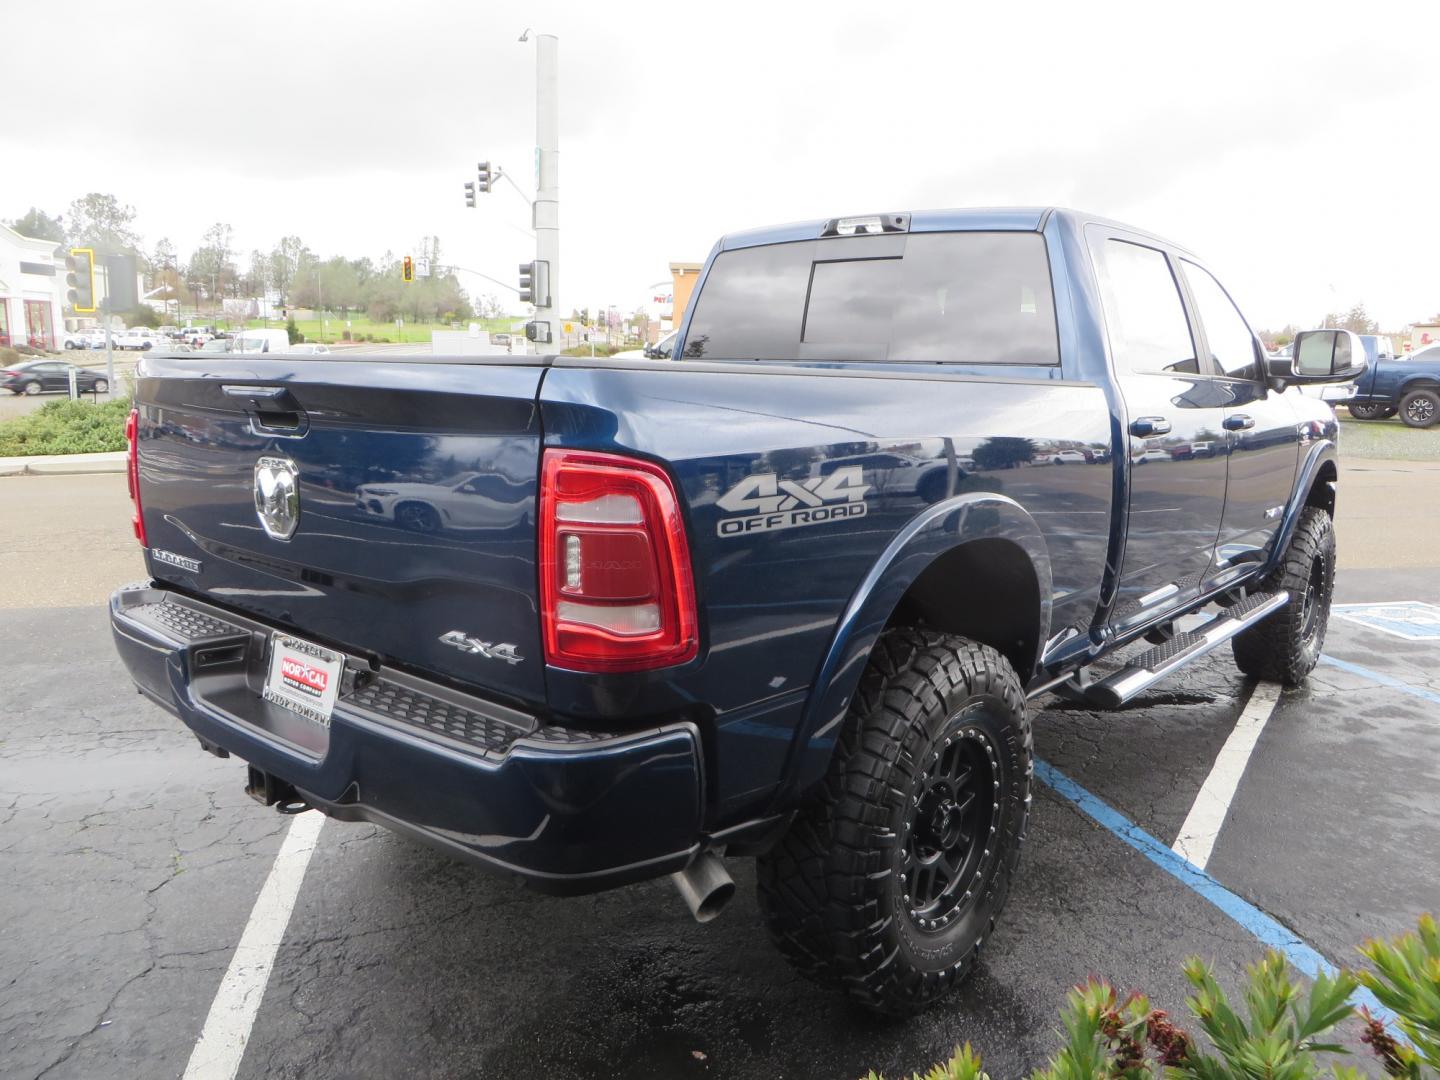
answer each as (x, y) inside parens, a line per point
(1321, 356)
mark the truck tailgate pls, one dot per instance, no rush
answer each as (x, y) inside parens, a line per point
(416, 483)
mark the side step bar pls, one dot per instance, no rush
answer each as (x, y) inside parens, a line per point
(1150, 667)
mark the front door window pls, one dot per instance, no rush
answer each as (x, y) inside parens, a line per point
(38, 329)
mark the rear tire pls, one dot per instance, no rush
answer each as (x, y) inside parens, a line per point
(935, 751)
(1370, 411)
(32, 388)
(1420, 409)
(1285, 647)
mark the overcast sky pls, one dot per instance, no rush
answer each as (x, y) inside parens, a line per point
(1296, 147)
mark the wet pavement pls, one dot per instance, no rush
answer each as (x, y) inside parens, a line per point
(132, 861)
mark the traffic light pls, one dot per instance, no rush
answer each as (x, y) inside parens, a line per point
(535, 283)
(470, 194)
(407, 269)
(487, 176)
(80, 278)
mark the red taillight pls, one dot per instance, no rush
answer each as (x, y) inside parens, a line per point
(616, 590)
(132, 473)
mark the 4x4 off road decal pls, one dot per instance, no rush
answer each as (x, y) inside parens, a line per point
(764, 502)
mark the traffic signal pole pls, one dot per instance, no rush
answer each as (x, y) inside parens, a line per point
(547, 177)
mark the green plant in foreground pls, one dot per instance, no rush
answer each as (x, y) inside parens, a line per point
(1279, 1037)
(1406, 980)
(963, 1065)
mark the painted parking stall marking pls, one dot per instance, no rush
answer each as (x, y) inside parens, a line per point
(1412, 620)
(232, 1014)
(1202, 825)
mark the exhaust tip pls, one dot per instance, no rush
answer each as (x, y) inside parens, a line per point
(705, 886)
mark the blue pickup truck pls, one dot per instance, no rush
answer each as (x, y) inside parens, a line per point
(1409, 386)
(784, 595)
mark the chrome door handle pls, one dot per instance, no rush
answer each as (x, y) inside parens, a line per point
(1239, 422)
(1145, 426)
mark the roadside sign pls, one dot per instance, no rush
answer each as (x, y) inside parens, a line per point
(1408, 619)
(569, 328)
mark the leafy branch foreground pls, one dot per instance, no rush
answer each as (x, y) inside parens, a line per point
(1280, 1037)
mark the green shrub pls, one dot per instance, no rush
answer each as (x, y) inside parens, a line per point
(144, 315)
(1280, 1037)
(296, 337)
(66, 427)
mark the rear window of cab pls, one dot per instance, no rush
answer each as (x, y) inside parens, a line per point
(959, 297)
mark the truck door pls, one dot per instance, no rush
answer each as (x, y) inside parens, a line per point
(1262, 428)
(1174, 421)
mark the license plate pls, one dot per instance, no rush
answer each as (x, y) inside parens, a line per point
(303, 678)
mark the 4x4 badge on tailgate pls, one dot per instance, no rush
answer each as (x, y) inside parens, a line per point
(489, 650)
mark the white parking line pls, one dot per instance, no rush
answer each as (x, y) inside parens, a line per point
(232, 1014)
(1197, 836)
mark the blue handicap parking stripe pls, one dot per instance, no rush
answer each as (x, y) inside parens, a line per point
(1383, 679)
(1265, 928)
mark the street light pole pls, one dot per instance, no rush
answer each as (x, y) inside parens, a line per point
(546, 219)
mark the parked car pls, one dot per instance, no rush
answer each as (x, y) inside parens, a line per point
(195, 336)
(659, 351)
(1408, 386)
(307, 348)
(674, 634)
(50, 376)
(76, 339)
(168, 331)
(215, 345)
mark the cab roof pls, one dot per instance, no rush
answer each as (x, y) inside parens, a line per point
(963, 219)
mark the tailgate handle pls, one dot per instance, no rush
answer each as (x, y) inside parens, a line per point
(273, 410)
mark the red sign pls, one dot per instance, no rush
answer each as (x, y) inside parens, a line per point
(302, 676)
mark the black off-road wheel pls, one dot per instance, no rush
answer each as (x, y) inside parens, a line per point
(1420, 409)
(891, 878)
(1370, 411)
(1285, 647)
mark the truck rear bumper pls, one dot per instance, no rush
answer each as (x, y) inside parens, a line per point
(568, 811)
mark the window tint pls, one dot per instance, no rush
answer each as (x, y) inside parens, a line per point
(1232, 345)
(1143, 312)
(927, 297)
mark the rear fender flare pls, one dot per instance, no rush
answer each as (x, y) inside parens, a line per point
(940, 529)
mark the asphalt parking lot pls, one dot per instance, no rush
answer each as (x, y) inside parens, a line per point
(134, 862)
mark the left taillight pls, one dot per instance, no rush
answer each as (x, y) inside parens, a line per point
(132, 474)
(616, 588)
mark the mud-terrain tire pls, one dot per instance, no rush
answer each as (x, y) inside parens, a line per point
(893, 874)
(1285, 647)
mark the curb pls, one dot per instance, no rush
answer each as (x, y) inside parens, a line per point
(63, 464)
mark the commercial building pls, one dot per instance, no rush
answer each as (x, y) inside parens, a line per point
(683, 276)
(32, 290)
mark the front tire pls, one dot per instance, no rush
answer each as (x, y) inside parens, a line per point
(1420, 409)
(1285, 647)
(891, 878)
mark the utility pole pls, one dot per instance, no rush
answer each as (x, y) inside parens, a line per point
(546, 218)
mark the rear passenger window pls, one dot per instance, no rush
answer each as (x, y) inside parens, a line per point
(1144, 315)
(1232, 345)
(947, 297)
